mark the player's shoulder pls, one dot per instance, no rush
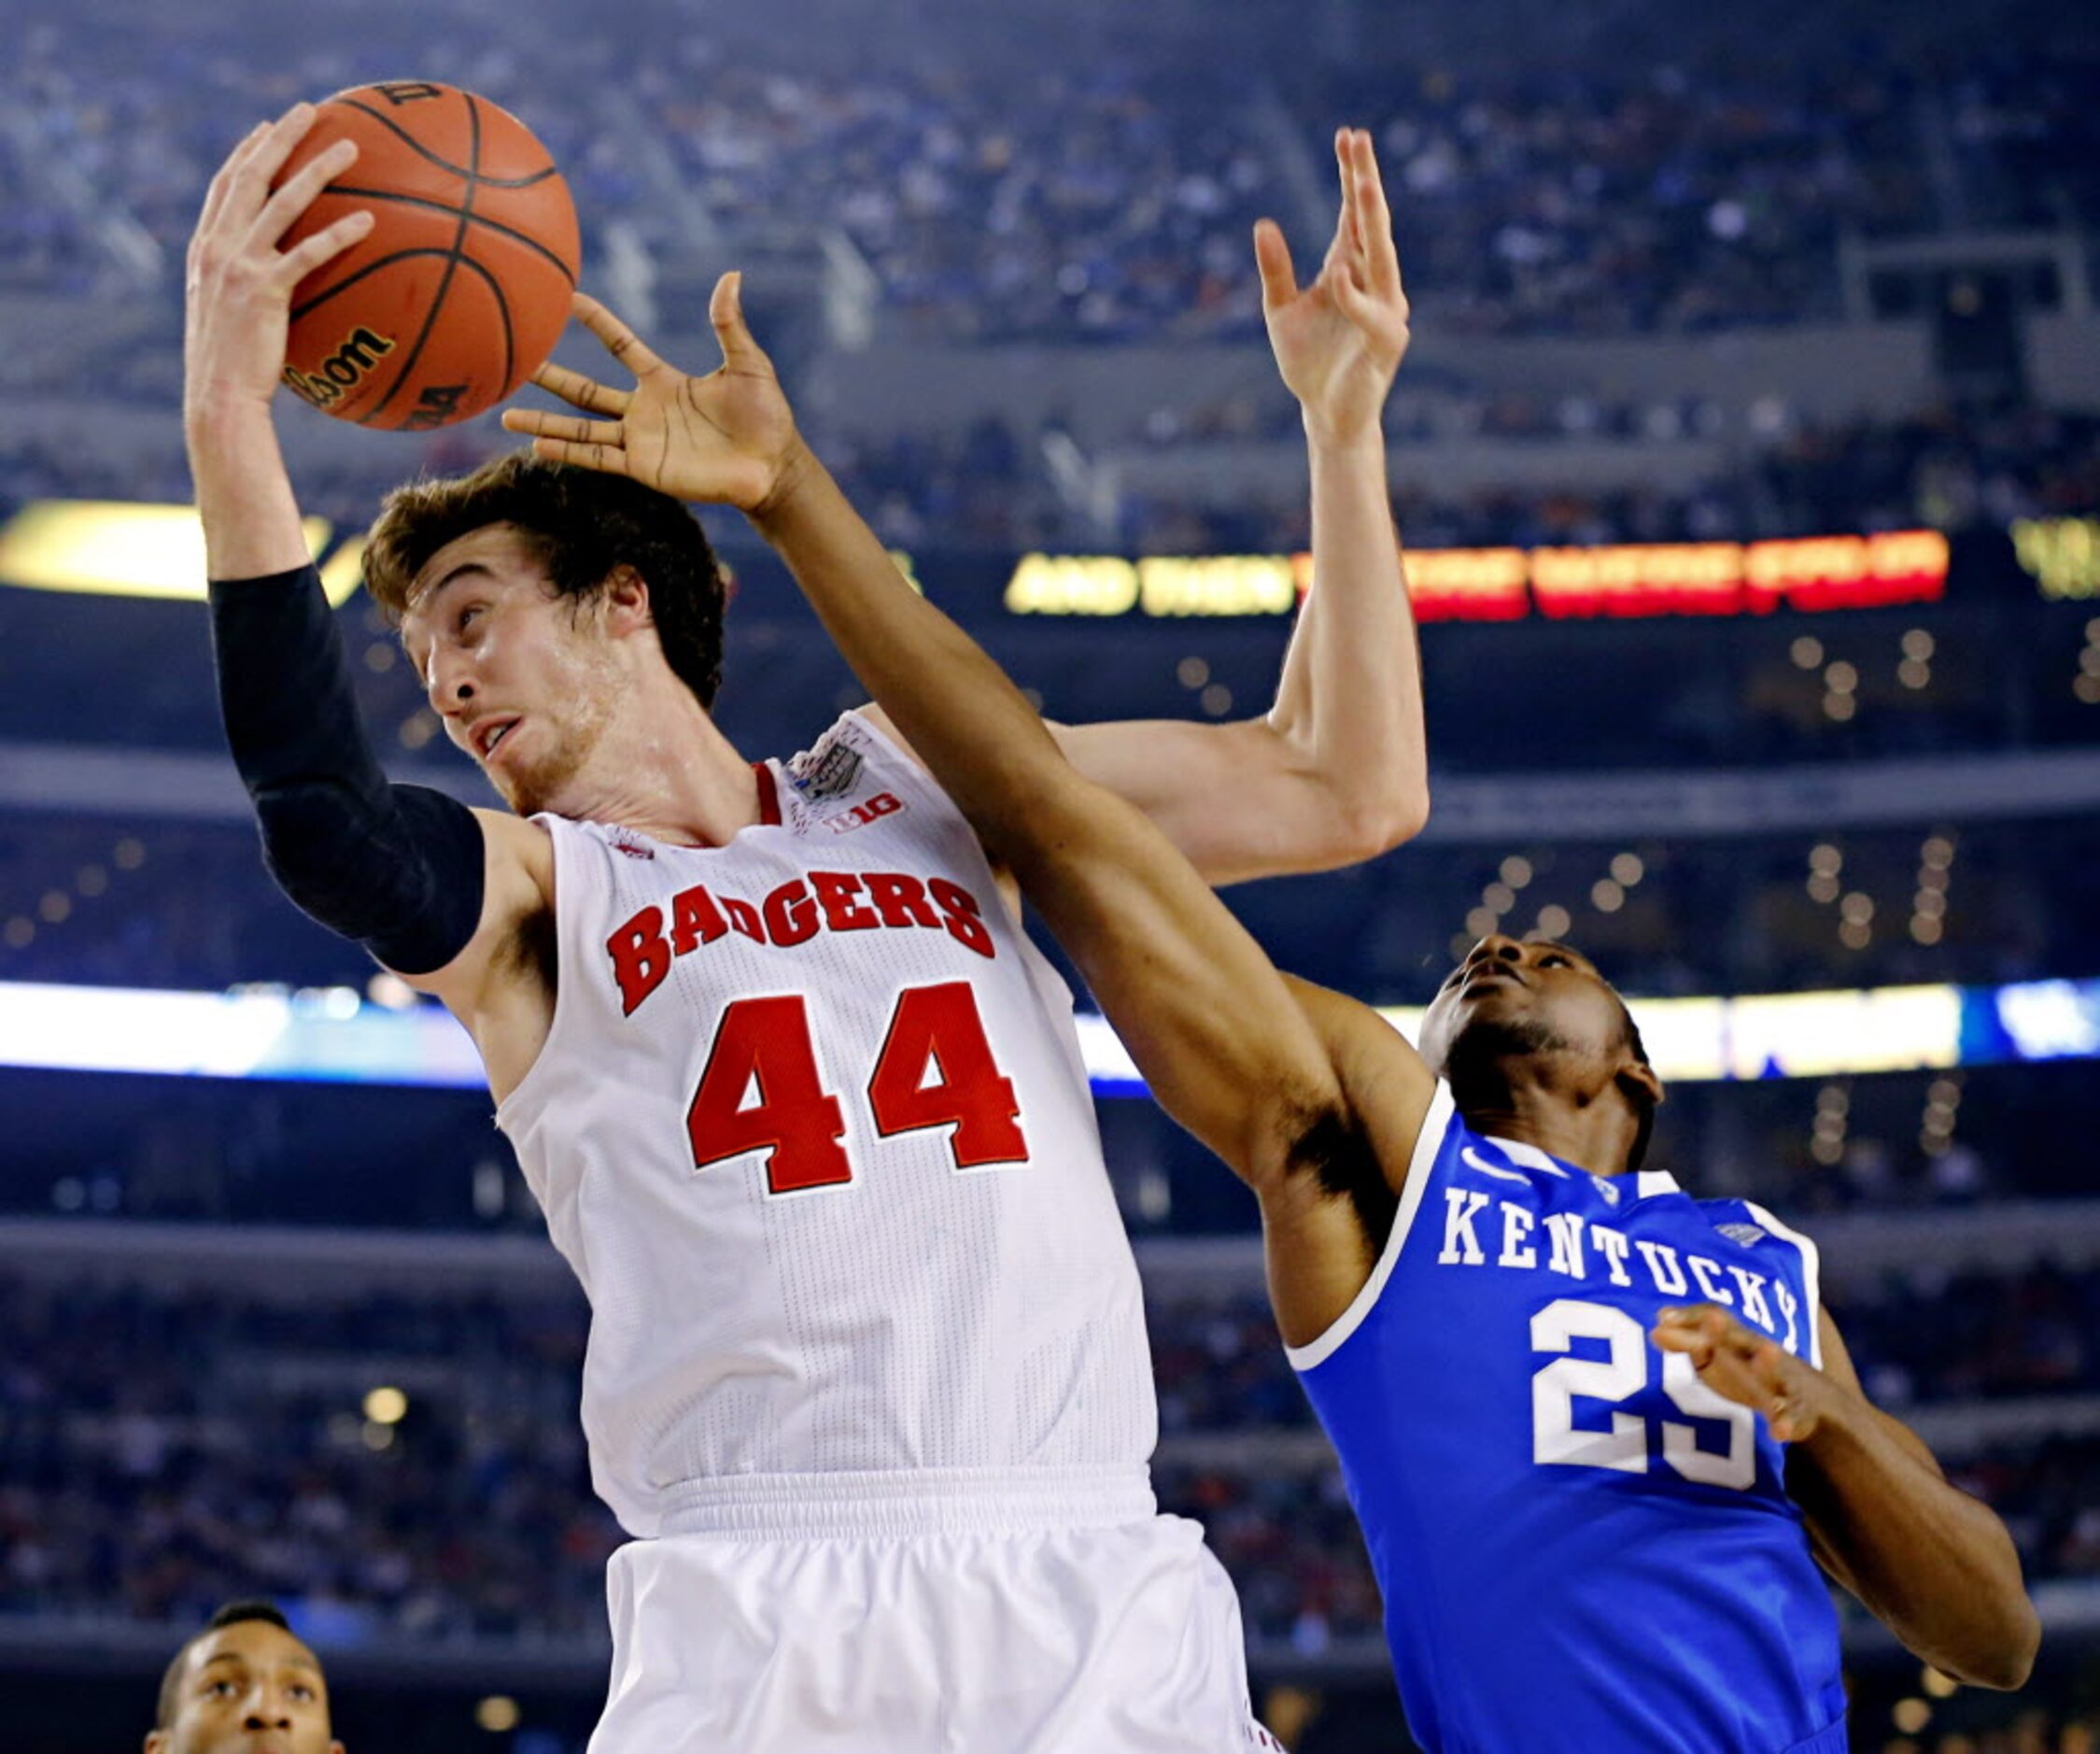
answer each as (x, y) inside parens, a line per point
(1748, 1223)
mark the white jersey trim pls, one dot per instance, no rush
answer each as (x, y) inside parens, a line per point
(1428, 1142)
(1811, 1278)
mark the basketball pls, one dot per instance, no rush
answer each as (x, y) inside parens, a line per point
(459, 292)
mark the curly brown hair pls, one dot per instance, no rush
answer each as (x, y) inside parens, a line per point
(581, 525)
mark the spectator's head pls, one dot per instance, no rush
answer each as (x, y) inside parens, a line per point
(244, 1685)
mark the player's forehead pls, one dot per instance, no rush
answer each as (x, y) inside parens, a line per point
(501, 553)
(249, 1645)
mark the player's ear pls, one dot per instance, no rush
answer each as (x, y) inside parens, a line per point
(1637, 1080)
(626, 598)
(157, 1742)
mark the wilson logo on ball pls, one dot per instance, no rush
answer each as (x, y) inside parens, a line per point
(342, 371)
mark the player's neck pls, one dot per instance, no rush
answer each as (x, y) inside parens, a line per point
(664, 769)
(1591, 1135)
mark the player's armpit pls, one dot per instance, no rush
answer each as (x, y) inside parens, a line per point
(1327, 1219)
(501, 984)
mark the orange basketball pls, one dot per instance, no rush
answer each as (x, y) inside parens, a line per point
(460, 290)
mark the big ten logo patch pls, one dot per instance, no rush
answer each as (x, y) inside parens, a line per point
(400, 91)
(860, 815)
(827, 770)
(343, 370)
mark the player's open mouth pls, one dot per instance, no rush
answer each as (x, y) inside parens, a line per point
(488, 735)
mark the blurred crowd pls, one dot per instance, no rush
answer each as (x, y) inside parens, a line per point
(985, 487)
(161, 1452)
(87, 902)
(1600, 199)
(1050, 196)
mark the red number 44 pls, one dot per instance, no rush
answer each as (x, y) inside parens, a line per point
(768, 1041)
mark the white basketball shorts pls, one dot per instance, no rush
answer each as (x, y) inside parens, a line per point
(1051, 1611)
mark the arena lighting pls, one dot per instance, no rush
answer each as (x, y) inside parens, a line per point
(1630, 580)
(116, 549)
(2062, 555)
(332, 1035)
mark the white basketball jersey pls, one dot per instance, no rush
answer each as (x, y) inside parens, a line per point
(812, 1126)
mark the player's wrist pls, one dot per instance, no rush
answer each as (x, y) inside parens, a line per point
(222, 413)
(1343, 437)
(796, 477)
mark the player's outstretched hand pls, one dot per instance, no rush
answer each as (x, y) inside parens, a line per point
(1339, 341)
(237, 283)
(1750, 1368)
(726, 438)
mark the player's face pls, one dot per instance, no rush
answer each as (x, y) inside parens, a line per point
(523, 680)
(1535, 994)
(250, 1688)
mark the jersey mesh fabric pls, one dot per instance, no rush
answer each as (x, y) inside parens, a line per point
(919, 1316)
(1576, 1552)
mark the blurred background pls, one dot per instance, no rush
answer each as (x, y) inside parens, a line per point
(1749, 459)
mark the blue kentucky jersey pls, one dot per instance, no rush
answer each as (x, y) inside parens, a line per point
(1581, 1548)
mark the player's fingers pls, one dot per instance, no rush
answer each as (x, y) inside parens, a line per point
(1380, 254)
(539, 423)
(268, 157)
(583, 392)
(1271, 259)
(620, 341)
(1768, 1362)
(606, 459)
(1351, 226)
(215, 196)
(299, 191)
(740, 351)
(1353, 301)
(300, 260)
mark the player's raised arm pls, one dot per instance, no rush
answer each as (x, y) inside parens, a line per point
(402, 870)
(1336, 772)
(237, 301)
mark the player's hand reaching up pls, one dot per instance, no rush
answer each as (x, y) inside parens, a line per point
(237, 283)
(1750, 1368)
(1339, 341)
(727, 438)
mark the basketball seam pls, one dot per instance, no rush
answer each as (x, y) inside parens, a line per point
(453, 258)
(423, 151)
(370, 269)
(530, 242)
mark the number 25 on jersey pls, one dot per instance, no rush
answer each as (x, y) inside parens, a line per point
(766, 1043)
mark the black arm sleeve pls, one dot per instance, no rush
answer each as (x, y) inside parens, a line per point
(398, 867)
